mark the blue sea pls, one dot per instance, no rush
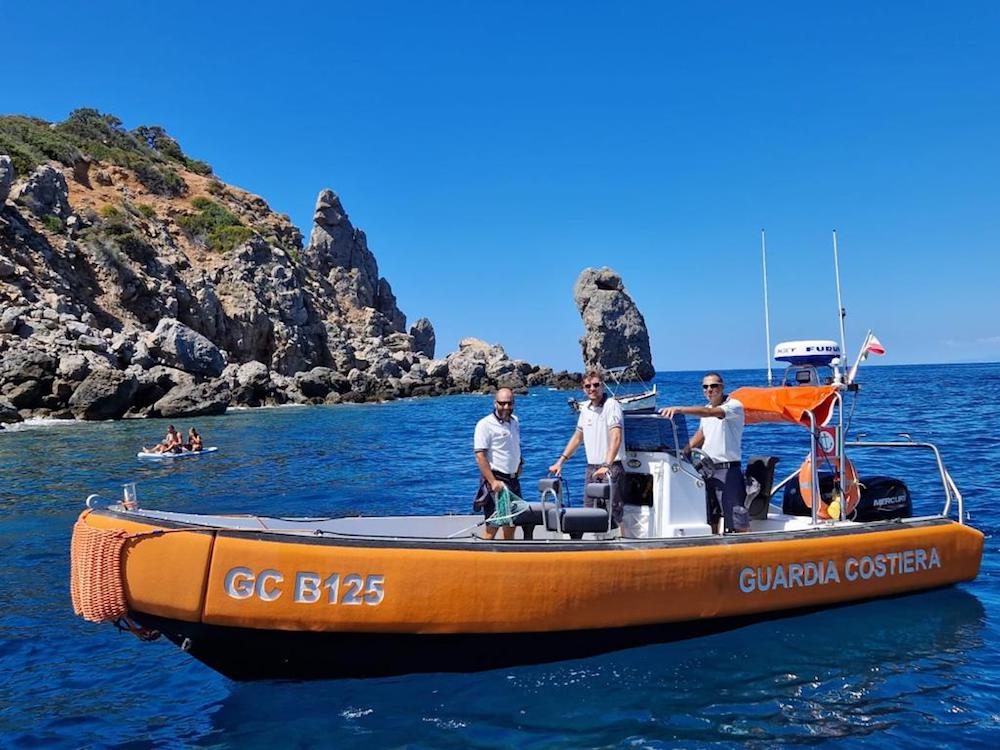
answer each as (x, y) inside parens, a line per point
(916, 671)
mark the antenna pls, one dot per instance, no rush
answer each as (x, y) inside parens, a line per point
(767, 321)
(841, 312)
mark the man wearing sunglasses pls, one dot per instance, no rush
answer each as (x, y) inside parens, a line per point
(600, 429)
(497, 445)
(720, 437)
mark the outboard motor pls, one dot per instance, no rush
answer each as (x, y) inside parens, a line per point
(882, 498)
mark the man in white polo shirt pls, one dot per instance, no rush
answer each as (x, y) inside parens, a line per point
(600, 428)
(497, 445)
(720, 437)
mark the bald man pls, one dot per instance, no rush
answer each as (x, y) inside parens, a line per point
(497, 446)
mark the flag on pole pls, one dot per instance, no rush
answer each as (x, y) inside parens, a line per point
(873, 346)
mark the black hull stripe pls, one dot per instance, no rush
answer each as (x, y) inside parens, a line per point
(251, 654)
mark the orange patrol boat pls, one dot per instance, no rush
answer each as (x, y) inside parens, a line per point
(261, 597)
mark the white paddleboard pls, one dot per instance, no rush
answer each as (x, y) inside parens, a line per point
(183, 454)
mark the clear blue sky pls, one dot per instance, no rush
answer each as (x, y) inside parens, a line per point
(493, 150)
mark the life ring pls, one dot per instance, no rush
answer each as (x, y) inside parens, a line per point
(852, 487)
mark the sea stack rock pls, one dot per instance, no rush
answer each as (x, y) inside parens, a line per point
(616, 333)
(424, 340)
(339, 252)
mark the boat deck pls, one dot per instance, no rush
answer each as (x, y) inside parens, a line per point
(441, 527)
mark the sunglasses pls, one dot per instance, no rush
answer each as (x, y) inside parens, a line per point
(504, 403)
(706, 386)
(591, 386)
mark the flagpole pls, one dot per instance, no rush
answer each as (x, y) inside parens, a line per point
(861, 353)
(767, 321)
(842, 313)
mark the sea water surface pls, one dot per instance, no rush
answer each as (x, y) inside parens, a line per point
(915, 671)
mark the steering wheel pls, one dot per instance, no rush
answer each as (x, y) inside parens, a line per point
(701, 461)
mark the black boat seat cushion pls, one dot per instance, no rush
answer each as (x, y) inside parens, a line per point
(530, 517)
(761, 468)
(573, 521)
(599, 490)
(577, 521)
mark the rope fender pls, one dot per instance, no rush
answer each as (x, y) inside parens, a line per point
(97, 585)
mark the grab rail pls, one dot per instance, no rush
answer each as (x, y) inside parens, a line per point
(946, 481)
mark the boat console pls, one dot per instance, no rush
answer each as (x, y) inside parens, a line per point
(665, 492)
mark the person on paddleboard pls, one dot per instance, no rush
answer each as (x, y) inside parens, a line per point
(172, 443)
(194, 441)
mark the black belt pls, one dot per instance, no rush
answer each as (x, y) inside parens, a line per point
(724, 464)
(502, 475)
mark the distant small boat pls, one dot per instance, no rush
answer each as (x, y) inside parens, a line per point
(643, 402)
(638, 403)
(182, 454)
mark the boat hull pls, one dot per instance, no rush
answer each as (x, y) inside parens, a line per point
(330, 607)
(252, 654)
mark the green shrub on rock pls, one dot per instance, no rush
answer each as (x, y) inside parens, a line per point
(148, 150)
(30, 142)
(53, 223)
(225, 239)
(214, 225)
(157, 139)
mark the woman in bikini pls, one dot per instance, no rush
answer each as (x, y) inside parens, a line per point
(194, 442)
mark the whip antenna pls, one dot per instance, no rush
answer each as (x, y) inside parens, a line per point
(767, 321)
(841, 312)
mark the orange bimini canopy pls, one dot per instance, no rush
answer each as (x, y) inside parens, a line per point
(787, 403)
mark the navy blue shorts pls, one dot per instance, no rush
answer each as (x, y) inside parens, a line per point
(484, 496)
(726, 489)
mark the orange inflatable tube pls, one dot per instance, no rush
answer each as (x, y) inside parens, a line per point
(253, 580)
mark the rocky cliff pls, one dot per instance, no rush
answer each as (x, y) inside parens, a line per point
(616, 334)
(133, 282)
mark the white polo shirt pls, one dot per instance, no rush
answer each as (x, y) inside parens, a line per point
(501, 441)
(596, 422)
(724, 436)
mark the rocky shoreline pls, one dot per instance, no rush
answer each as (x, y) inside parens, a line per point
(129, 295)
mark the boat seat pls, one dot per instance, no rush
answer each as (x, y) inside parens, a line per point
(761, 468)
(557, 517)
(529, 519)
(577, 521)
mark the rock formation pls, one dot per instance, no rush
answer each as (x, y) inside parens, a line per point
(147, 287)
(616, 333)
(424, 340)
(6, 177)
(45, 193)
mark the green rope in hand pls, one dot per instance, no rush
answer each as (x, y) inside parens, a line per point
(508, 507)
